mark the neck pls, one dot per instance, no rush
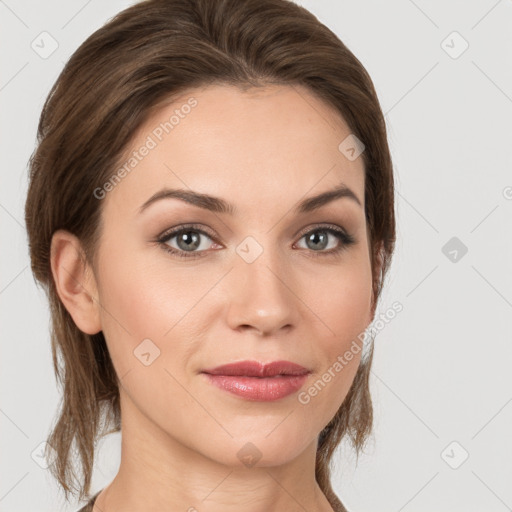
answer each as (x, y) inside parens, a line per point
(157, 472)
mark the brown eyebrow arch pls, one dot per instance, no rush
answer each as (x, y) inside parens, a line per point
(218, 205)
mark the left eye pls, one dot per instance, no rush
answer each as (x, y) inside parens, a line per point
(318, 239)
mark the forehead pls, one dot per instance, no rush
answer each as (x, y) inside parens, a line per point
(247, 144)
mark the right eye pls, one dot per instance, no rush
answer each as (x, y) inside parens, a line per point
(189, 241)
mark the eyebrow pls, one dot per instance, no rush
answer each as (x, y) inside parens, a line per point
(218, 205)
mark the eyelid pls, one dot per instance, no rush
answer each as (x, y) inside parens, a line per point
(319, 226)
(184, 227)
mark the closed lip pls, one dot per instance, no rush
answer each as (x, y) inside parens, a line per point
(257, 369)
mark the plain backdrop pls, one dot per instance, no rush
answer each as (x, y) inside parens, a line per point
(441, 380)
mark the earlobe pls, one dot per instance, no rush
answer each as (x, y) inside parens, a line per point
(75, 282)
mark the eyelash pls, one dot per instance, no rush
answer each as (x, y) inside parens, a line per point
(345, 239)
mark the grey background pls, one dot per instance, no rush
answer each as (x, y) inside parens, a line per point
(442, 367)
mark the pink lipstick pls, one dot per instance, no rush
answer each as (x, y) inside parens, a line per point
(257, 381)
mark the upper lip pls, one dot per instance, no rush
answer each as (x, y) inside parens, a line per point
(257, 369)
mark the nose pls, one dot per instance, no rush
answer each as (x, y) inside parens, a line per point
(262, 295)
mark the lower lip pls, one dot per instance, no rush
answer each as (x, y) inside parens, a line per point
(265, 389)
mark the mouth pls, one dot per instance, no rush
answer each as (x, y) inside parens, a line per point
(256, 381)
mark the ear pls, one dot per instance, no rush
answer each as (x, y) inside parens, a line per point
(75, 282)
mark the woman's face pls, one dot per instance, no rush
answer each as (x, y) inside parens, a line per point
(262, 280)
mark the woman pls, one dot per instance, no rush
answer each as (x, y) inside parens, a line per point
(211, 213)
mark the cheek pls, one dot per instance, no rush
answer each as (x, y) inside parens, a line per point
(342, 301)
(346, 310)
(144, 296)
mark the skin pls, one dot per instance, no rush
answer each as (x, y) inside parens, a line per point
(263, 151)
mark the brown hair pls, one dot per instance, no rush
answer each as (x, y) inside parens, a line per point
(148, 54)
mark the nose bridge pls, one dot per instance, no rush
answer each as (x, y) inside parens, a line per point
(261, 297)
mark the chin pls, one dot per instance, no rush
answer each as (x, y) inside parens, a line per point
(259, 450)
